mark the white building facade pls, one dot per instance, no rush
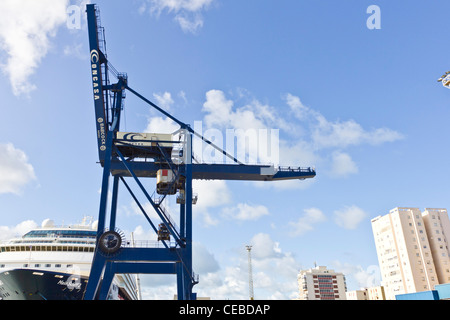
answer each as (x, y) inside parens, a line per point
(412, 249)
(319, 283)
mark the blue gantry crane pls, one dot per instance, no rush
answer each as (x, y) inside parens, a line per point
(135, 156)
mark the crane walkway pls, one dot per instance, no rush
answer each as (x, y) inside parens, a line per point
(215, 171)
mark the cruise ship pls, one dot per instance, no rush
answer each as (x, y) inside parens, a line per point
(53, 263)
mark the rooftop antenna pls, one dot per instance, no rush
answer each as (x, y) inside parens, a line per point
(250, 273)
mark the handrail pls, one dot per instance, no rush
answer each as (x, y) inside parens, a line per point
(295, 169)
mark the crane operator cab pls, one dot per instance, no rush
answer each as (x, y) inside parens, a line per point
(163, 232)
(165, 182)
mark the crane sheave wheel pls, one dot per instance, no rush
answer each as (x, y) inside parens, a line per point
(110, 242)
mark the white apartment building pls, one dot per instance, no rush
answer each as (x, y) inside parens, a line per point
(437, 225)
(412, 249)
(319, 283)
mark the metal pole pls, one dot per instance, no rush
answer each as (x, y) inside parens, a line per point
(250, 273)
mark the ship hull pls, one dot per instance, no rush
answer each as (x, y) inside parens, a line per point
(32, 284)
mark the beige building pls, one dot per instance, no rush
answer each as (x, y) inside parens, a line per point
(372, 293)
(319, 283)
(437, 225)
(376, 293)
(356, 295)
(412, 249)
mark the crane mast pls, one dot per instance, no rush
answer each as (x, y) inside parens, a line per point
(135, 156)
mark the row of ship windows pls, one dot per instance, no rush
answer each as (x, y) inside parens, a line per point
(38, 265)
(46, 248)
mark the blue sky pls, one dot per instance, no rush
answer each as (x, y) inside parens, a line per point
(360, 105)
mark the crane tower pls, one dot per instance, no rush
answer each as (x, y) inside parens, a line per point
(135, 156)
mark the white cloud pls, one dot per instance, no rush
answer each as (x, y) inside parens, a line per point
(189, 24)
(337, 134)
(25, 30)
(203, 261)
(161, 125)
(349, 217)
(76, 50)
(7, 233)
(15, 171)
(164, 100)
(218, 108)
(220, 113)
(306, 138)
(187, 12)
(228, 283)
(274, 273)
(357, 277)
(211, 194)
(341, 134)
(263, 247)
(342, 165)
(244, 211)
(306, 222)
(254, 126)
(299, 110)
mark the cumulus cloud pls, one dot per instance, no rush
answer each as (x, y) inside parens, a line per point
(274, 269)
(26, 27)
(20, 229)
(203, 261)
(358, 277)
(164, 100)
(306, 138)
(15, 170)
(187, 12)
(254, 127)
(349, 217)
(244, 211)
(342, 165)
(211, 194)
(274, 273)
(306, 222)
(338, 134)
(161, 125)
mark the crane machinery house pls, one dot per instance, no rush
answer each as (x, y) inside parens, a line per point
(152, 143)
